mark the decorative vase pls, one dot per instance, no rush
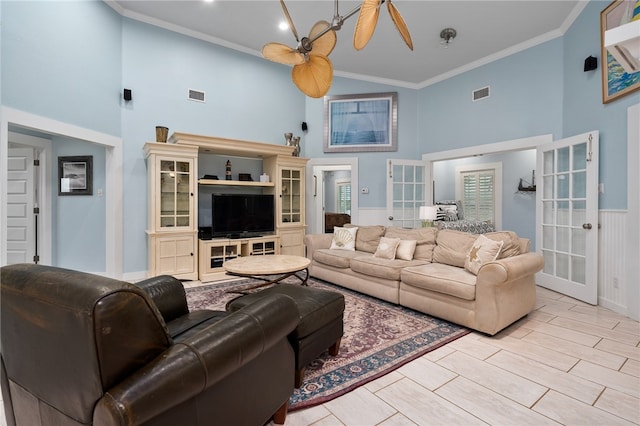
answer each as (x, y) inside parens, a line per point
(296, 146)
(162, 133)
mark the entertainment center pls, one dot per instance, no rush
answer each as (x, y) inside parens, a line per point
(248, 218)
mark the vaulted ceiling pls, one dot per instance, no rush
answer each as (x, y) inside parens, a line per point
(486, 30)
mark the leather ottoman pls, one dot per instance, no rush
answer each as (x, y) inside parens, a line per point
(320, 327)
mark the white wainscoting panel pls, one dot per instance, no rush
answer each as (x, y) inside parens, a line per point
(612, 286)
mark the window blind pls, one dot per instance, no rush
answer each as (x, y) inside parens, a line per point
(478, 198)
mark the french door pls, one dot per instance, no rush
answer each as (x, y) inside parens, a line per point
(405, 192)
(567, 216)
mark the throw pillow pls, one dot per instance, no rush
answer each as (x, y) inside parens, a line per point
(344, 238)
(482, 251)
(405, 250)
(387, 248)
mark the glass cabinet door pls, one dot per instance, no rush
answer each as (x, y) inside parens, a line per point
(175, 193)
(291, 195)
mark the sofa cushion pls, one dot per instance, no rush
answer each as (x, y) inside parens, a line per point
(368, 237)
(441, 278)
(405, 250)
(335, 258)
(511, 246)
(387, 248)
(344, 238)
(388, 269)
(425, 240)
(482, 251)
(452, 247)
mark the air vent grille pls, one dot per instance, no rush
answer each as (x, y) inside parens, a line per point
(480, 94)
(196, 95)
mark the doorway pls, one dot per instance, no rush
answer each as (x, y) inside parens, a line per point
(332, 191)
(45, 127)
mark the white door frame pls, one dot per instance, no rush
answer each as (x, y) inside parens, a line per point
(113, 179)
(314, 198)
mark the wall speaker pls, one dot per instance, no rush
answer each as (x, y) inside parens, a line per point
(127, 94)
(304, 126)
(590, 64)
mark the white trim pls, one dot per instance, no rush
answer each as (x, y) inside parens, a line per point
(113, 178)
(633, 208)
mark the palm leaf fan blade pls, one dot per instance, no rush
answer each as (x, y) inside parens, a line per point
(283, 54)
(313, 78)
(366, 25)
(399, 23)
(326, 42)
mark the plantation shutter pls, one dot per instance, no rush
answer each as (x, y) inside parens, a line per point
(344, 198)
(478, 195)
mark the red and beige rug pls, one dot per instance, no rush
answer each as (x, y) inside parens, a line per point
(378, 338)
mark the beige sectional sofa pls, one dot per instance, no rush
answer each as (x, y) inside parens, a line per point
(433, 279)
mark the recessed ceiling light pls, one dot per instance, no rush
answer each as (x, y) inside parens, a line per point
(283, 26)
(208, 1)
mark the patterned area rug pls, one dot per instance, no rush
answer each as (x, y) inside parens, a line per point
(378, 338)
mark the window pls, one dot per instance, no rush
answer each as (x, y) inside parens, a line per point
(479, 187)
(343, 196)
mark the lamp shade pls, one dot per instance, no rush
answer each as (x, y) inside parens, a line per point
(428, 212)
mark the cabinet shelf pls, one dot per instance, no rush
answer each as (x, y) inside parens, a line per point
(234, 183)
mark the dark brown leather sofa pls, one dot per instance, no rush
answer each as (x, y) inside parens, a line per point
(80, 349)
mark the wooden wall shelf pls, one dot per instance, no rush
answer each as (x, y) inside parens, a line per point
(234, 183)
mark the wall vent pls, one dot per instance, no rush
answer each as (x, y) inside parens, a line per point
(480, 94)
(196, 95)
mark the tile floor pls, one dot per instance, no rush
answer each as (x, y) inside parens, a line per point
(566, 363)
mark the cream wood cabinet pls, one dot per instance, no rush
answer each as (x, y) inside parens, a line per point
(213, 253)
(289, 175)
(172, 232)
(174, 247)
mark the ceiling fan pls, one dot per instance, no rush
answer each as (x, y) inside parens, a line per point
(312, 70)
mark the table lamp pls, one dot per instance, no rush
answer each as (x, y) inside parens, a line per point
(428, 214)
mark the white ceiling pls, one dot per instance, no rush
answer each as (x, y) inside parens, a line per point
(487, 30)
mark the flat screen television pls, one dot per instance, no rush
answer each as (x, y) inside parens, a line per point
(242, 215)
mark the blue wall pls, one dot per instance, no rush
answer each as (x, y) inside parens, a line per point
(525, 100)
(62, 60)
(69, 61)
(78, 220)
(584, 111)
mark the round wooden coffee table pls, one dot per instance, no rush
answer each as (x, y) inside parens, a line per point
(264, 268)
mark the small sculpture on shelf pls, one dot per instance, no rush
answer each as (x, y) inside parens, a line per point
(227, 174)
(528, 188)
(290, 140)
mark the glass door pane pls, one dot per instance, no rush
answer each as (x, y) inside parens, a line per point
(567, 218)
(406, 192)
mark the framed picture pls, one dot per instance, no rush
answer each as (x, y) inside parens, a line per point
(75, 175)
(359, 123)
(616, 82)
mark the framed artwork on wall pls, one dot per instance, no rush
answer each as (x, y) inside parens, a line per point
(360, 123)
(616, 81)
(75, 175)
